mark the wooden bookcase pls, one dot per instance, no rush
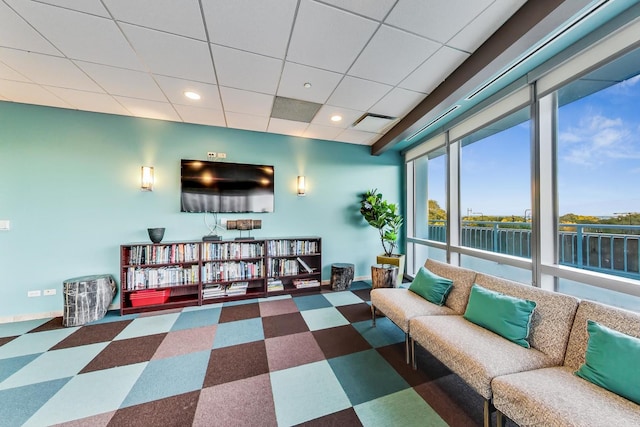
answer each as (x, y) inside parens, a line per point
(179, 274)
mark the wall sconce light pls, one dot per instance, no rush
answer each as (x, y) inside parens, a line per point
(146, 178)
(301, 185)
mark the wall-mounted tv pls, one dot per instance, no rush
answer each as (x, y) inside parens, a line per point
(226, 187)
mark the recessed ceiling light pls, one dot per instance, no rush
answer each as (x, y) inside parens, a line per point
(307, 85)
(336, 118)
(191, 95)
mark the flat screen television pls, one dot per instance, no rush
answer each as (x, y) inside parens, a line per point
(226, 187)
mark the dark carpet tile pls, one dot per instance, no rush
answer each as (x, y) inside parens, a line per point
(125, 352)
(4, 340)
(92, 334)
(429, 365)
(395, 356)
(340, 341)
(364, 294)
(356, 312)
(345, 418)
(239, 312)
(284, 324)
(53, 324)
(172, 411)
(236, 362)
(453, 409)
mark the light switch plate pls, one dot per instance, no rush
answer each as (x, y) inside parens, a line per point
(5, 225)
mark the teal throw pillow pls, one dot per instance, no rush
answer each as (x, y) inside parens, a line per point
(505, 315)
(431, 287)
(611, 361)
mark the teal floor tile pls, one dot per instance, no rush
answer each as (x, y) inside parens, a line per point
(12, 365)
(37, 342)
(169, 377)
(360, 284)
(88, 394)
(323, 318)
(202, 307)
(306, 392)
(405, 408)
(19, 328)
(238, 332)
(196, 319)
(19, 404)
(311, 302)
(114, 316)
(366, 375)
(342, 298)
(150, 325)
(54, 364)
(384, 333)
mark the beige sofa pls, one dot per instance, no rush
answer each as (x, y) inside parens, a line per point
(401, 305)
(555, 396)
(534, 386)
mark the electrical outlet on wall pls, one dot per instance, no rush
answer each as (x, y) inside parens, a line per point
(222, 155)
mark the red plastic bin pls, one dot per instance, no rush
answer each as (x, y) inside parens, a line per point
(149, 297)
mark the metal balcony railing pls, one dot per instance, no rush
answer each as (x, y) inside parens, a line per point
(612, 249)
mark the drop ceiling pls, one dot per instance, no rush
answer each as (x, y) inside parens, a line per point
(137, 58)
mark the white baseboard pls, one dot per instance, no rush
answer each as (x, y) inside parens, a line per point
(32, 316)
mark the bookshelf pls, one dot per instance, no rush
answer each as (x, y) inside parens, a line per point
(179, 274)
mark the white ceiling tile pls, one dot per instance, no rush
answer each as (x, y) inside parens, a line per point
(172, 55)
(90, 101)
(294, 76)
(322, 132)
(242, 101)
(434, 70)
(358, 137)
(287, 127)
(16, 33)
(28, 93)
(49, 70)
(8, 73)
(93, 7)
(323, 116)
(247, 121)
(244, 70)
(256, 26)
(438, 20)
(397, 103)
(202, 116)
(392, 55)
(358, 94)
(117, 81)
(377, 9)
(79, 35)
(480, 29)
(149, 109)
(161, 15)
(174, 89)
(328, 38)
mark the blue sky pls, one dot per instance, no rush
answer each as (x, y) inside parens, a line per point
(598, 160)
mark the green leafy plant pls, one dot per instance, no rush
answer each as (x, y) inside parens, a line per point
(383, 216)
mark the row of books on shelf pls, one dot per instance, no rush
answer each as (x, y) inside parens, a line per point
(232, 250)
(292, 247)
(306, 283)
(164, 254)
(274, 285)
(219, 291)
(287, 267)
(149, 278)
(231, 270)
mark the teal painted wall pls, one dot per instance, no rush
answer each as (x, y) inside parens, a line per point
(69, 184)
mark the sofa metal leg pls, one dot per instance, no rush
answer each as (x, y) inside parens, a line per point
(499, 419)
(414, 362)
(487, 413)
(373, 315)
(407, 348)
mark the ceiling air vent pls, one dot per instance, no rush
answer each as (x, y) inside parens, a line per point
(294, 109)
(375, 123)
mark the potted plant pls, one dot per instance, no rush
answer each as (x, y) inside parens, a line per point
(384, 217)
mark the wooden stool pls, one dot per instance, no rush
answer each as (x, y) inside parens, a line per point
(384, 276)
(341, 276)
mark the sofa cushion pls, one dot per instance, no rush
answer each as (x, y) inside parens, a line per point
(552, 318)
(431, 287)
(505, 315)
(474, 353)
(612, 361)
(400, 305)
(556, 397)
(463, 279)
